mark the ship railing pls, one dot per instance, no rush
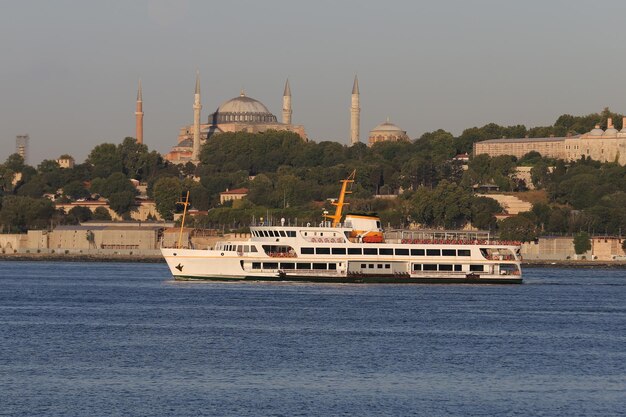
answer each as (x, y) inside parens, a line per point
(455, 242)
(282, 254)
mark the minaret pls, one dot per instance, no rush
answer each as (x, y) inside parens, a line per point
(139, 116)
(195, 154)
(355, 111)
(287, 104)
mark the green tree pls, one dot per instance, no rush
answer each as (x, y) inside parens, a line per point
(14, 162)
(121, 202)
(167, 192)
(102, 214)
(105, 160)
(75, 190)
(582, 243)
(517, 228)
(22, 213)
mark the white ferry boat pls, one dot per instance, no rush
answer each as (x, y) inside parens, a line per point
(356, 250)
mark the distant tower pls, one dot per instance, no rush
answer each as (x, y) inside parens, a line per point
(195, 155)
(287, 104)
(21, 146)
(355, 111)
(139, 116)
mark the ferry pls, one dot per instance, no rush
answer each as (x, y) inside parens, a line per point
(355, 250)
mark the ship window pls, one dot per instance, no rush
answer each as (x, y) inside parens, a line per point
(303, 266)
(306, 233)
(371, 266)
(339, 251)
(464, 252)
(370, 251)
(445, 267)
(417, 252)
(265, 234)
(385, 251)
(253, 249)
(448, 252)
(363, 266)
(354, 251)
(270, 265)
(433, 252)
(291, 233)
(477, 268)
(256, 265)
(322, 251)
(380, 266)
(246, 248)
(319, 266)
(282, 233)
(239, 248)
(387, 266)
(430, 267)
(287, 265)
(417, 267)
(402, 252)
(458, 267)
(307, 251)
(332, 266)
(272, 233)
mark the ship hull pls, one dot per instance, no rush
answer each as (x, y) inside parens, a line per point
(356, 280)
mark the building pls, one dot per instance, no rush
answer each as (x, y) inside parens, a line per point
(21, 146)
(66, 161)
(236, 194)
(601, 145)
(387, 132)
(239, 114)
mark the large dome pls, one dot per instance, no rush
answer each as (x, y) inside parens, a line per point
(387, 127)
(387, 132)
(242, 109)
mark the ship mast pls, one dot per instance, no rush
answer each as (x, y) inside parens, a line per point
(336, 218)
(182, 223)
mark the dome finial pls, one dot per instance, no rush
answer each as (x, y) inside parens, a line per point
(387, 119)
(242, 93)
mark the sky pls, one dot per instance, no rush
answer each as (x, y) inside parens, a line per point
(69, 69)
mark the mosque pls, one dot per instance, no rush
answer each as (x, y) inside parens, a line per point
(246, 114)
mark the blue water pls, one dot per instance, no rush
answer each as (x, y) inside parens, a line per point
(104, 339)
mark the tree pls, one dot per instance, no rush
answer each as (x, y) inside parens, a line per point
(15, 162)
(517, 228)
(101, 213)
(75, 190)
(115, 183)
(22, 213)
(79, 214)
(167, 192)
(582, 243)
(121, 202)
(483, 212)
(105, 160)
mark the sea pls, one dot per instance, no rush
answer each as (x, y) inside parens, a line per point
(124, 339)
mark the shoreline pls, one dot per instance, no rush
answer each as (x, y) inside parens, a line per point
(49, 257)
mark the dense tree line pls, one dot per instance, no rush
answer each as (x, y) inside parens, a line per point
(287, 177)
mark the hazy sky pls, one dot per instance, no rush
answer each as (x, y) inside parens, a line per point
(69, 69)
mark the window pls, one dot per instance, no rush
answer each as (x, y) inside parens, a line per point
(291, 233)
(458, 268)
(332, 266)
(370, 251)
(402, 252)
(256, 265)
(319, 266)
(448, 252)
(303, 266)
(477, 268)
(239, 248)
(371, 266)
(253, 249)
(307, 251)
(339, 251)
(385, 251)
(322, 251)
(430, 267)
(363, 266)
(445, 267)
(433, 252)
(265, 234)
(417, 252)
(354, 251)
(463, 252)
(287, 265)
(282, 233)
(417, 267)
(387, 266)
(270, 265)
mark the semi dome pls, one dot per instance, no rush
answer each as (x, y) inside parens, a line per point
(242, 109)
(596, 131)
(387, 127)
(387, 132)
